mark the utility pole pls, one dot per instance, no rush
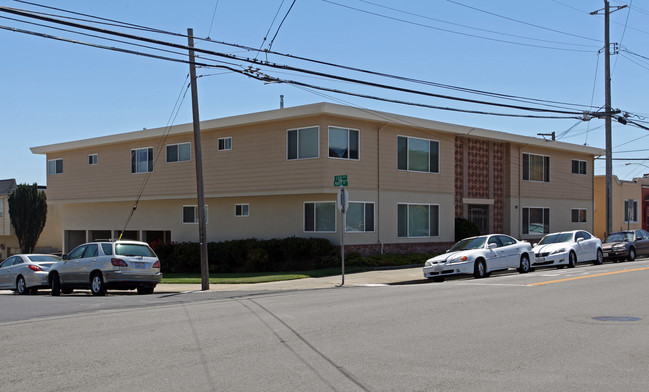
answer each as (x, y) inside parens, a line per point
(205, 272)
(608, 112)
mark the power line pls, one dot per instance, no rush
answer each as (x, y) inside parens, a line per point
(280, 25)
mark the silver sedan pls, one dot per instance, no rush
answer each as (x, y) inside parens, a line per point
(25, 274)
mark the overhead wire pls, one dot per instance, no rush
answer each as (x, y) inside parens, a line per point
(212, 22)
(270, 46)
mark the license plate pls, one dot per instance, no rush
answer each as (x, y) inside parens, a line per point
(540, 259)
(606, 254)
(137, 265)
(438, 268)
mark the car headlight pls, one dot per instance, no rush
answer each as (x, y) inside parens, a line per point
(455, 260)
(428, 263)
(619, 247)
(560, 250)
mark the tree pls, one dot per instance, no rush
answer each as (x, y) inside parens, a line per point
(28, 212)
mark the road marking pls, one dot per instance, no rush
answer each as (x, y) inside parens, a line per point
(587, 276)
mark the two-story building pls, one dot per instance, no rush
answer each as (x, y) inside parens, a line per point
(271, 174)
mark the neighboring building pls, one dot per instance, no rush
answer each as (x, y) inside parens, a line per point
(630, 201)
(271, 174)
(49, 241)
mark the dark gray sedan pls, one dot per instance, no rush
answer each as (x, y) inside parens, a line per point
(626, 245)
(26, 274)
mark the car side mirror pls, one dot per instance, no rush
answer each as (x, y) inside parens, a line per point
(534, 245)
(492, 245)
(64, 256)
(579, 240)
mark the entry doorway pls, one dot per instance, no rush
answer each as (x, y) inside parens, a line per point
(479, 216)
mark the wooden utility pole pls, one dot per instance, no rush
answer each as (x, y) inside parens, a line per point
(205, 269)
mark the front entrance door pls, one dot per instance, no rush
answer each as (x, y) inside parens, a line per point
(479, 215)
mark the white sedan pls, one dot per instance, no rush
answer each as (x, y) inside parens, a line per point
(480, 256)
(567, 248)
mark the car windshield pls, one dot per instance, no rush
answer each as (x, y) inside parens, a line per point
(469, 243)
(619, 237)
(41, 258)
(556, 238)
(133, 250)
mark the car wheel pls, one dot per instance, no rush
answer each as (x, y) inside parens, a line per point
(480, 269)
(56, 285)
(525, 265)
(631, 254)
(572, 260)
(600, 257)
(145, 290)
(21, 286)
(97, 285)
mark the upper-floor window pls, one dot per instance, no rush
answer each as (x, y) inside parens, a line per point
(578, 215)
(93, 159)
(302, 143)
(142, 160)
(579, 167)
(179, 152)
(190, 214)
(242, 209)
(343, 143)
(536, 220)
(630, 210)
(536, 167)
(359, 217)
(417, 220)
(416, 154)
(225, 143)
(55, 166)
(320, 217)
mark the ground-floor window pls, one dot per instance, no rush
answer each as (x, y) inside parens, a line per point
(320, 216)
(536, 220)
(359, 217)
(631, 210)
(417, 220)
(578, 215)
(190, 214)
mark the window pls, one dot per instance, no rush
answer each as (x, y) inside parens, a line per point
(579, 167)
(630, 210)
(320, 216)
(417, 154)
(190, 214)
(578, 215)
(93, 159)
(359, 217)
(343, 143)
(179, 152)
(241, 209)
(55, 166)
(302, 143)
(142, 160)
(225, 143)
(417, 220)
(536, 220)
(536, 168)
(2, 207)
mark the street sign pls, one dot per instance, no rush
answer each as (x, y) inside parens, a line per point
(341, 180)
(343, 200)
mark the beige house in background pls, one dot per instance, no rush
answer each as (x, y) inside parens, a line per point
(630, 201)
(50, 240)
(271, 175)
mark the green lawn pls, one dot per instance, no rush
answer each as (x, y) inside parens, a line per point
(258, 277)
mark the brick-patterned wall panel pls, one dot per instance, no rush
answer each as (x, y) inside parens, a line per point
(478, 168)
(499, 186)
(459, 175)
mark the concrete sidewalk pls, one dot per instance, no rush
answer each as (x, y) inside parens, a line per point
(369, 278)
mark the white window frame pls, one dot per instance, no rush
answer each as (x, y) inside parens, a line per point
(177, 145)
(634, 216)
(408, 167)
(93, 159)
(439, 220)
(195, 207)
(227, 144)
(152, 160)
(315, 217)
(297, 130)
(545, 175)
(580, 163)
(245, 210)
(364, 203)
(579, 215)
(349, 131)
(526, 231)
(56, 169)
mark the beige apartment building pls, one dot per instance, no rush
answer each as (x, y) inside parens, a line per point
(630, 200)
(271, 175)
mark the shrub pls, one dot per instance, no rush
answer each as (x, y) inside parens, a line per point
(464, 229)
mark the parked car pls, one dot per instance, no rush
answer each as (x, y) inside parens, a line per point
(480, 256)
(102, 265)
(626, 245)
(567, 248)
(25, 274)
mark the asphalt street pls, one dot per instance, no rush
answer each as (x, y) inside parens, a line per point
(581, 329)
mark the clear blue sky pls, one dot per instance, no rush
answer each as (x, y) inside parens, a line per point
(56, 91)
